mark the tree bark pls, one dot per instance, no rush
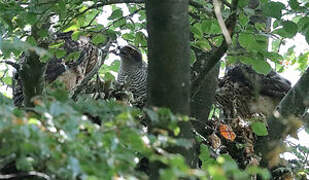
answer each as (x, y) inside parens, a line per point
(32, 76)
(168, 54)
(169, 69)
(202, 101)
(32, 69)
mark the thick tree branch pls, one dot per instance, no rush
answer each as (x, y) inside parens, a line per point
(201, 104)
(285, 121)
(217, 54)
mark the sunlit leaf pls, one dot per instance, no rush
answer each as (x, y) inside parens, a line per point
(259, 128)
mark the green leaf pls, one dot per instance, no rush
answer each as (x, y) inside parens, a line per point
(7, 80)
(31, 18)
(192, 56)
(294, 4)
(31, 41)
(98, 38)
(120, 23)
(243, 3)
(307, 37)
(140, 39)
(260, 26)
(303, 24)
(247, 40)
(73, 56)
(128, 36)
(75, 35)
(215, 28)
(273, 9)
(288, 30)
(142, 15)
(115, 66)
(261, 66)
(43, 32)
(115, 14)
(56, 109)
(257, 170)
(246, 60)
(243, 19)
(197, 30)
(203, 44)
(206, 25)
(60, 53)
(205, 157)
(252, 42)
(259, 128)
(108, 76)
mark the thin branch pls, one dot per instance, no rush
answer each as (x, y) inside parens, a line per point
(110, 2)
(4, 73)
(226, 33)
(124, 17)
(11, 63)
(101, 4)
(25, 175)
(92, 20)
(227, 3)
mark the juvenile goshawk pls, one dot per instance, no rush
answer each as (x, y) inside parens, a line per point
(244, 92)
(71, 73)
(133, 71)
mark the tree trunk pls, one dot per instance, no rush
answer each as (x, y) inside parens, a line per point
(32, 76)
(169, 69)
(32, 69)
(168, 54)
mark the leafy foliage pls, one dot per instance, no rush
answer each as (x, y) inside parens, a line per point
(224, 167)
(58, 137)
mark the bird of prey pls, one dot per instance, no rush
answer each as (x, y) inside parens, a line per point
(133, 71)
(70, 73)
(243, 92)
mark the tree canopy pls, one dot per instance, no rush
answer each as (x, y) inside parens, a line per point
(92, 131)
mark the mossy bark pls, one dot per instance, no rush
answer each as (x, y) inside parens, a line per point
(169, 65)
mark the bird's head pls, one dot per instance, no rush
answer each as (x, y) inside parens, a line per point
(130, 54)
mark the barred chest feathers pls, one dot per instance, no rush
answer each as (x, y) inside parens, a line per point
(133, 70)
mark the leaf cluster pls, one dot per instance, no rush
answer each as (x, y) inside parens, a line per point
(59, 138)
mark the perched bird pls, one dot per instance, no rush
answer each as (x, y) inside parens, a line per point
(244, 92)
(71, 73)
(133, 71)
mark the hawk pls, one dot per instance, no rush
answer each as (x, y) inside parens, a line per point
(244, 92)
(71, 73)
(133, 71)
